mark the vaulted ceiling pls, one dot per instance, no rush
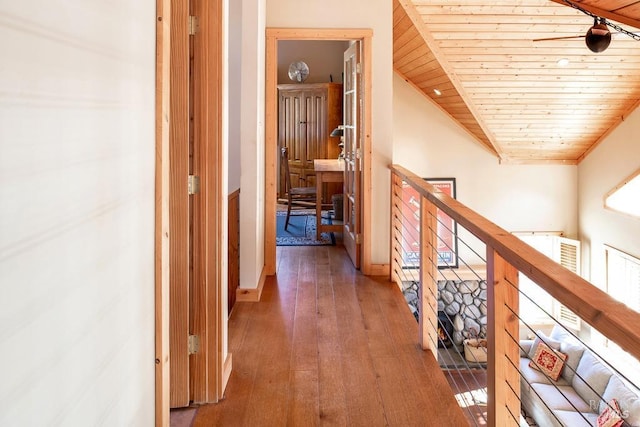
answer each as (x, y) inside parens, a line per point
(505, 86)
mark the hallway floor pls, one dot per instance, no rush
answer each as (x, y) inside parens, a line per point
(328, 346)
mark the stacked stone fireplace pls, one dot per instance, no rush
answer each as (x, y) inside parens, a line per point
(464, 302)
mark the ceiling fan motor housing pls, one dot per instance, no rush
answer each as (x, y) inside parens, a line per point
(598, 37)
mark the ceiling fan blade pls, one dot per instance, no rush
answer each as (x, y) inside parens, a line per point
(558, 38)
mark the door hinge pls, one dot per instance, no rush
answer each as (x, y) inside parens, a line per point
(193, 344)
(358, 153)
(359, 67)
(193, 186)
(358, 239)
(193, 25)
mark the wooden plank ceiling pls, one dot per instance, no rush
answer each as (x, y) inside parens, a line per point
(506, 87)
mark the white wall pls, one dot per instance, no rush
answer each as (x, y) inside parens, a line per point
(376, 15)
(77, 151)
(234, 81)
(252, 142)
(608, 164)
(324, 58)
(516, 197)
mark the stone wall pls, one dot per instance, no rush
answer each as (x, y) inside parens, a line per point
(464, 302)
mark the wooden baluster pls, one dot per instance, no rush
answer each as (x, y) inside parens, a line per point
(396, 229)
(428, 289)
(503, 378)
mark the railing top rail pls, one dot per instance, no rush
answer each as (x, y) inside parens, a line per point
(612, 318)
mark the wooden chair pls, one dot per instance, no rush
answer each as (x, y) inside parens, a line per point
(296, 196)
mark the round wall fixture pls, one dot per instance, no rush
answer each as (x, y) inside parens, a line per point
(298, 71)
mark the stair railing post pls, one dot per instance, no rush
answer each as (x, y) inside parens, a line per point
(396, 229)
(503, 376)
(428, 289)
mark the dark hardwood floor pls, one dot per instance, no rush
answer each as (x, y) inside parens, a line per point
(328, 346)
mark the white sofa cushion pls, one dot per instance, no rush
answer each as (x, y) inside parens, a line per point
(561, 397)
(541, 337)
(576, 419)
(534, 376)
(591, 379)
(628, 401)
(574, 354)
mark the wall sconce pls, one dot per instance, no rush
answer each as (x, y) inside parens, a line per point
(339, 131)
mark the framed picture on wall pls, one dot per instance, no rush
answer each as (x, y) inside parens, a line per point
(447, 227)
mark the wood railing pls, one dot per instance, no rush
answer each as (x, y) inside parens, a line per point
(506, 256)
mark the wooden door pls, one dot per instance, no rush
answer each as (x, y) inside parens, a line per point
(179, 212)
(195, 216)
(316, 134)
(292, 134)
(307, 113)
(353, 154)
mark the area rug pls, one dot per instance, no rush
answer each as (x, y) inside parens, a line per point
(301, 230)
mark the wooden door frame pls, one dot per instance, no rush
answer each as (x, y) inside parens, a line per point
(162, 108)
(212, 364)
(273, 35)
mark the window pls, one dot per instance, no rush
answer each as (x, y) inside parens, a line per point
(625, 197)
(623, 284)
(623, 277)
(565, 252)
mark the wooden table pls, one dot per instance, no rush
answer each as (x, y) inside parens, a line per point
(327, 170)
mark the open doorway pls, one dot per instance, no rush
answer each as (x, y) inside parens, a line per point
(290, 39)
(310, 108)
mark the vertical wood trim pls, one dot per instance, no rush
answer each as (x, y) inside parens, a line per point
(367, 226)
(271, 146)
(395, 247)
(162, 114)
(219, 324)
(179, 205)
(503, 377)
(233, 249)
(210, 229)
(428, 277)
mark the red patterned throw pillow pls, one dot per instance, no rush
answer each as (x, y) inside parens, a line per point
(610, 416)
(548, 361)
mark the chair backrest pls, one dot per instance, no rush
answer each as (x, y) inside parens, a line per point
(284, 160)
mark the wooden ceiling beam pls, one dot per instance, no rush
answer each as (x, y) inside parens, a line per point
(613, 16)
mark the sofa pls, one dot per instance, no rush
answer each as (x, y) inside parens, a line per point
(585, 388)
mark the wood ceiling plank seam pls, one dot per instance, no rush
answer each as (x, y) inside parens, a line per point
(418, 21)
(419, 50)
(540, 67)
(407, 45)
(548, 90)
(434, 82)
(550, 60)
(491, 9)
(398, 12)
(403, 26)
(549, 51)
(502, 97)
(440, 19)
(481, 138)
(424, 65)
(526, 72)
(416, 66)
(525, 31)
